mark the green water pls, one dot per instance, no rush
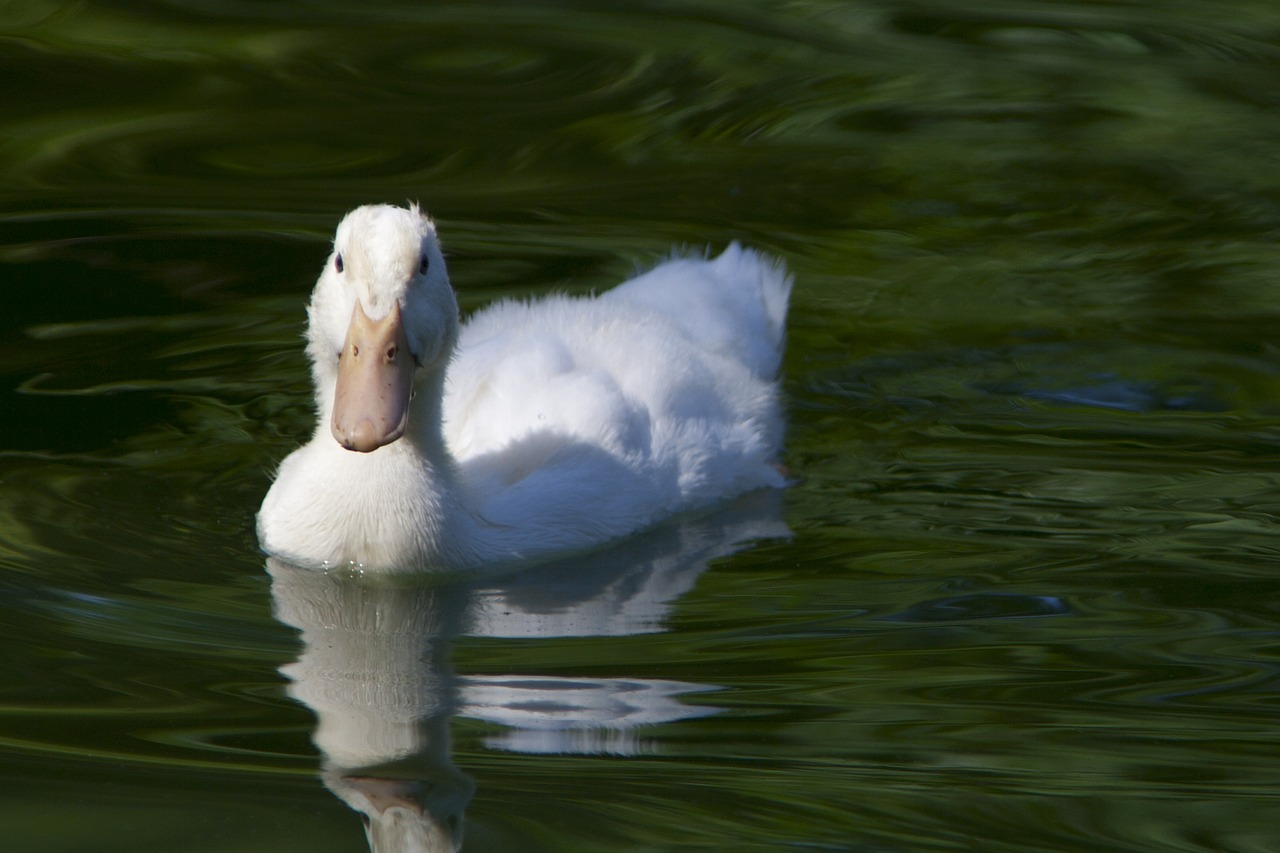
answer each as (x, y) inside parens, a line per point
(1022, 597)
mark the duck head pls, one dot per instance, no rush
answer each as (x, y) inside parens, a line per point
(383, 321)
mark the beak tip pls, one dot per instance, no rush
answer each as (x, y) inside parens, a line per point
(366, 437)
(362, 438)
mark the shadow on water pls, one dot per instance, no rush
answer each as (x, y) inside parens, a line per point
(375, 666)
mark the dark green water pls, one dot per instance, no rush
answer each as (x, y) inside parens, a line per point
(1028, 601)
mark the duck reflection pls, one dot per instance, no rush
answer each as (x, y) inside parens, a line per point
(375, 670)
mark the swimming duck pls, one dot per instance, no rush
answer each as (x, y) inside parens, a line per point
(534, 428)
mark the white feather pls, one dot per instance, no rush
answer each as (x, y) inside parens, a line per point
(564, 423)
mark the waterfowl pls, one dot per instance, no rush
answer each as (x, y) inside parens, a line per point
(534, 428)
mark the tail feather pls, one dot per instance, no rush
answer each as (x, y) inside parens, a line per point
(770, 278)
(735, 304)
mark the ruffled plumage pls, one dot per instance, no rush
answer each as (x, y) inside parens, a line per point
(556, 425)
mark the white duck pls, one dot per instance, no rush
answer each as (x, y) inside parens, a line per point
(534, 428)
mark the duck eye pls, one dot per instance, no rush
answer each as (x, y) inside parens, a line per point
(424, 265)
(337, 262)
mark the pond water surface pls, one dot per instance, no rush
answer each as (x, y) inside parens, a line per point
(1022, 596)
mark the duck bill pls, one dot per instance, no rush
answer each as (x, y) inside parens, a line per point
(375, 382)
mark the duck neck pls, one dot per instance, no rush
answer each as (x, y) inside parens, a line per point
(402, 501)
(426, 423)
(449, 522)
